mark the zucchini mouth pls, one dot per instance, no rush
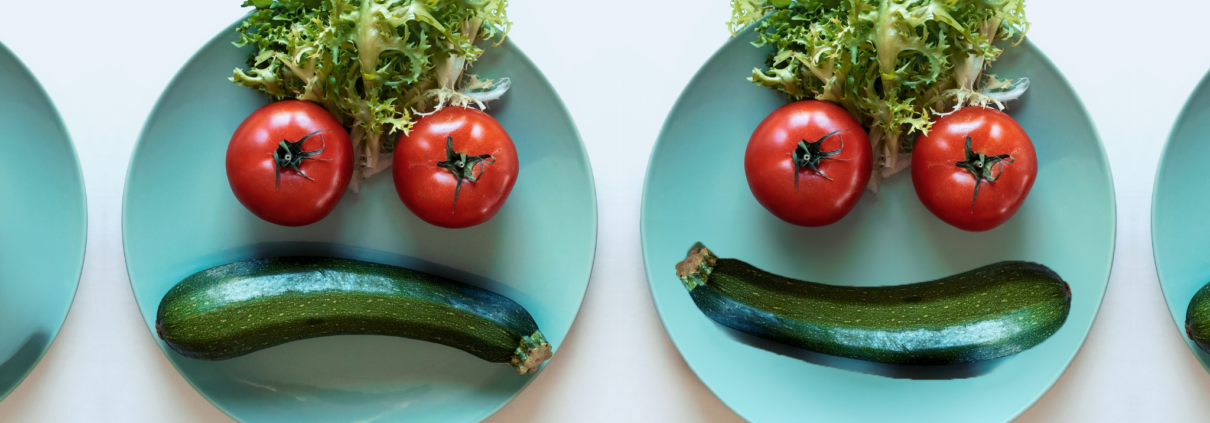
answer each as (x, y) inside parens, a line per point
(239, 308)
(982, 314)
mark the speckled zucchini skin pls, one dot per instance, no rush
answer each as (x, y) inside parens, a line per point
(983, 314)
(238, 308)
(1197, 318)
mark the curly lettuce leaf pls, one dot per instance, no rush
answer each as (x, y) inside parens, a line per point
(890, 63)
(376, 65)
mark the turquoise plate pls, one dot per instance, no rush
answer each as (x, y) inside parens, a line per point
(43, 222)
(180, 217)
(696, 191)
(1179, 228)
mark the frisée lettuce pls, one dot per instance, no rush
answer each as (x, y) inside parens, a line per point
(376, 65)
(895, 65)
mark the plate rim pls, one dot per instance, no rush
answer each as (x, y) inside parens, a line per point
(226, 32)
(1027, 44)
(57, 118)
(1165, 290)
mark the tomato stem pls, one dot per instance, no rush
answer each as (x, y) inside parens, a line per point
(291, 154)
(463, 166)
(980, 166)
(808, 155)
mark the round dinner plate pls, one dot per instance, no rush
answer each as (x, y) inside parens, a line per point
(180, 217)
(1179, 228)
(696, 191)
(43, 222)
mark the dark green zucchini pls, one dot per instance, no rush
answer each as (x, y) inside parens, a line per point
(986, 313)
(238, 308)
(1197, 318)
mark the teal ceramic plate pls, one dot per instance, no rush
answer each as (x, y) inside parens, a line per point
(696, 191)
(43, 222)
(180, 217)
(1179, 228)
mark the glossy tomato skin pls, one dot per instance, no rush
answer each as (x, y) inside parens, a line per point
(948, 190)
(428, 190)
(770, 167)
(297, 201)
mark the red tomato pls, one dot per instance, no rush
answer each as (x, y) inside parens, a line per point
(290, 163)
(808, 163)
(974, 169)
(456, 168)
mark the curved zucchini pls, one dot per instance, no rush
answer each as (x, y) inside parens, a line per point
(986, 313)
(1197, 318)
(238, 308)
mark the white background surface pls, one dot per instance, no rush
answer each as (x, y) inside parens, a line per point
(619, 67)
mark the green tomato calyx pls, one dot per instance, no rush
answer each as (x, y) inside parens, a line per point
(808, 155)
(463, 166)
(983, 167)
(291, 155)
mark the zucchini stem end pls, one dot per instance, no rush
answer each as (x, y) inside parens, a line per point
(695, 270)
(531, 353)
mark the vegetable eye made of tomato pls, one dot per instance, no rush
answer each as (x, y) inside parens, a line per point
(290, 163)
(974, 169)
(456, 168)
(808, 163)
